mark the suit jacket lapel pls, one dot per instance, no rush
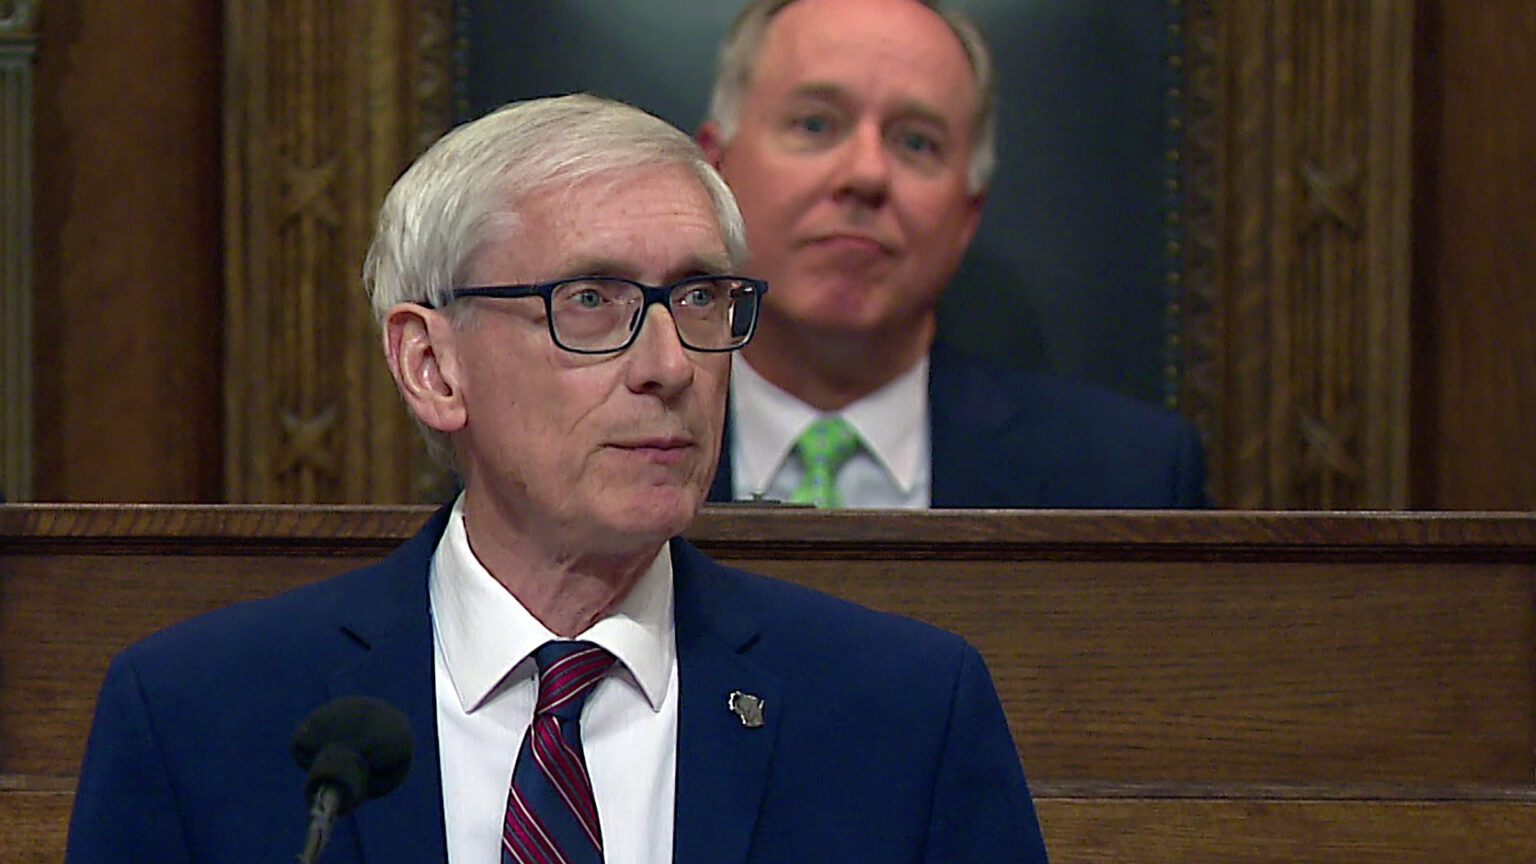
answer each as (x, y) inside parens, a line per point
(965, 407)
(394, 630)
(723, 489)
(967, 416)
(722, 763)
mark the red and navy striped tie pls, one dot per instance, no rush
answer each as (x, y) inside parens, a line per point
(551, 812)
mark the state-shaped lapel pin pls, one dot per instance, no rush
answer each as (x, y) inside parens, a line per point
(747, 707)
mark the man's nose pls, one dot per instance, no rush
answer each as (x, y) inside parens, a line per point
(865, 166)
(657, 361)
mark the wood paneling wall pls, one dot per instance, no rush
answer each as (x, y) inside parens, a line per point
(1475, 225)
(127, 283)
(1183, 687)
(325, 103)
(1307, 259)
(130, 383)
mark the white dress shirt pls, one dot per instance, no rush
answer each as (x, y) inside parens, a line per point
(892, 468)
(483, 641)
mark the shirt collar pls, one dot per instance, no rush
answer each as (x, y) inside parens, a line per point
(485, 633)
(766, 421)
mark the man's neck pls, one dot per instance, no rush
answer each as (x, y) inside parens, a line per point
(566, 590)
(830, 373)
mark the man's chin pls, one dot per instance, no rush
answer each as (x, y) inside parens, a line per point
(849, 312)
(654, 513)
(844, 323)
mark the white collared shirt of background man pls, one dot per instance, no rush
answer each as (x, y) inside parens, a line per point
(891, 470)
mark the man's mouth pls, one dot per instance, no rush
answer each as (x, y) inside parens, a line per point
(850, 242)
(665, 450)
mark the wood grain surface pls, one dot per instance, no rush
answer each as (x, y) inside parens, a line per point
(1125, 646)
(1110, 825)
(1182, 686)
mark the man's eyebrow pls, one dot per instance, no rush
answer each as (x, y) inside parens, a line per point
(907, 109)
(712, 262)
(922, 112)
(820, 90)
(595, 266)
(699, 265)
(710, 265)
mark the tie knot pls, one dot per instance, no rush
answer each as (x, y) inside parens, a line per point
(823, 448)
(567, 671)
(828, 441)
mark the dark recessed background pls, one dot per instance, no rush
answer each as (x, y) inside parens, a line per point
(1069, 270)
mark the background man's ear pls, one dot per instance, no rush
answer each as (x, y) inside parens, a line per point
(711, 142)
(421, 348)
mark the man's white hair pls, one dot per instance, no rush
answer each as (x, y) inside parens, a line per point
(463, 193)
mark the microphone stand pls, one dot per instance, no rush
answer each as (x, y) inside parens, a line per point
(322, 817)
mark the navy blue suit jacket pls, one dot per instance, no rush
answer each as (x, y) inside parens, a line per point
(884, 738)
(1010, 438)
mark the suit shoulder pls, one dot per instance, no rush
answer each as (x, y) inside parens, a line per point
(367, 597)
(1055, 442)
(285, 630)
(1044, 394)
(816, 621)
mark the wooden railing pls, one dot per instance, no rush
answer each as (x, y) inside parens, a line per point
(1182, 686)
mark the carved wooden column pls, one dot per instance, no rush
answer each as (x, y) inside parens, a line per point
(325, 105)
(18, 47)
(1303, 324)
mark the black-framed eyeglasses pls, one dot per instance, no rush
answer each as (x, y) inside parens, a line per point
(603, 314)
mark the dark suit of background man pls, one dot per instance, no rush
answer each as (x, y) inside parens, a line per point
(744, 719)
(858, 138)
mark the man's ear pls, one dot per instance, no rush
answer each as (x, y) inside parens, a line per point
(711, 142)
(421, 347)
(973, 215)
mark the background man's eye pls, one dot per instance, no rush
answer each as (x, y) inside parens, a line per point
(815, 123)
(918, 143)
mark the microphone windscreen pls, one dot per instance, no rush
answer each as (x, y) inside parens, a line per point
(359, 744)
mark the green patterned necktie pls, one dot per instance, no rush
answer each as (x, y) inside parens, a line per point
(823, 448)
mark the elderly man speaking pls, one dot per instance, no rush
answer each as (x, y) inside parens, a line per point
(557, 289)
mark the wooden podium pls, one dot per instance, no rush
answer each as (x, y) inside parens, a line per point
(1191, 687)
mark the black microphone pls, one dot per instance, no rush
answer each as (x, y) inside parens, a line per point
(354, 748)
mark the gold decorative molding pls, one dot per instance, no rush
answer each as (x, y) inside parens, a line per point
(18, 48)
(1195, 347)
(1298, 325)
